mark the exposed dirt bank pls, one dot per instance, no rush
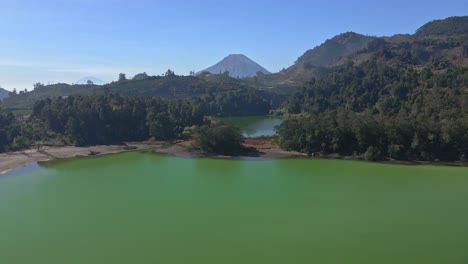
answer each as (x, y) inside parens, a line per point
(13, 160)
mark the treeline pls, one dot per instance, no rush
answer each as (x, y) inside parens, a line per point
(376, 137)
(379, 111)
(85, 120)
(9, 130)
(242, 102)
(110, 118)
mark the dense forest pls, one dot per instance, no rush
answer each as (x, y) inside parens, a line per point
(379, 111)
(85, 120)
(88, 120)
(9, 130)
(402, 97)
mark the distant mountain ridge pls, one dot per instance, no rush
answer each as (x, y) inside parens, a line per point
(3, 93)
(238, 66)
(94, 80)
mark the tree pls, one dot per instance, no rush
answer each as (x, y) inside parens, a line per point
(218, 139)
(122, 77)
(140, 76)
(38, 85)
(169, 73)
(89, 82)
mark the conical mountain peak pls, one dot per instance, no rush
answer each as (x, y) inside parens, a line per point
(238, 66)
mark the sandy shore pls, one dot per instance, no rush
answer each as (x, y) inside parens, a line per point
(13, 160)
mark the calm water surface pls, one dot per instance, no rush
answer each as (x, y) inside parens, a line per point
(254, 126)
(144, 208)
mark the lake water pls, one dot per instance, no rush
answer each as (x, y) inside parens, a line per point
(254, 126)
(144, 208)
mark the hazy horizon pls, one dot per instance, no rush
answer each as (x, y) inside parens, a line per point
(55, 41)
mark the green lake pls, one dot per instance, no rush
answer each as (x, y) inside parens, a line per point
(254, 126)
(139, 207)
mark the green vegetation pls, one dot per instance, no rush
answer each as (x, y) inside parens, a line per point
(85, 120)
(327, 53)
(211, 93)
(379, 111)
(218, 139)
(9, 129)
(449, 26)
(108, 119)
(402, 97)
(81, 120)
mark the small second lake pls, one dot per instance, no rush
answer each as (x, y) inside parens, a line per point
(254, 126)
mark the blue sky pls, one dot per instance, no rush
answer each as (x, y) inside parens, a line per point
(63, 41)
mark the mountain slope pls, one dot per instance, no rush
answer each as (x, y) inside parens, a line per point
(238, 66)
(3, 93)
(328, 52)
(435, 45)
(447, 27)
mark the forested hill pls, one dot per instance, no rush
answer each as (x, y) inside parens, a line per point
(444, 27)
(437, 44)
(327, 53)
(377, 111)
(403, 97)
(170, 86)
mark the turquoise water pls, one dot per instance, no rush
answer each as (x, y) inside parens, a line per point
(144, 208)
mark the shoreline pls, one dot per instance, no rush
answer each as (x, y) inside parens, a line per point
(261, 148)
(13, 160)
(258, 147)
(264, 147)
